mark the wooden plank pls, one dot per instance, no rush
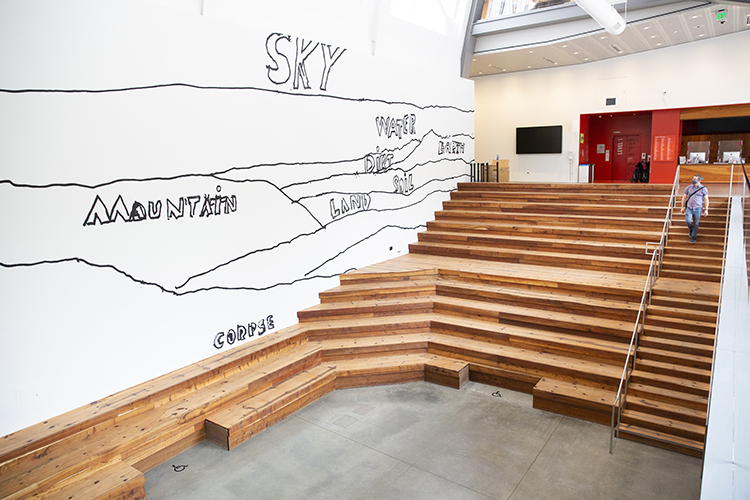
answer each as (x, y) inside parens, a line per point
(666, 410)
(540, 231)
(448, 372)
(575, 400)
(661, 440)
(143, 396)
(499, 377)
(663, 425)
(134, 436)
(237, 423)
(669, 396)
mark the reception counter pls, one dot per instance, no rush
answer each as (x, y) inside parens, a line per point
(711, 172)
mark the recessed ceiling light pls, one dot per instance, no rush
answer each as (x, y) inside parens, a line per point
(565, 46)
(602, 38)
(576, 53)
(646, 27)
(695, 16)
(531, 52)
(674, 32)
(653, 36)
(480, 72)
(702, 34)
(474, 60)
(658, 44)
(529, 67)
(585, 58)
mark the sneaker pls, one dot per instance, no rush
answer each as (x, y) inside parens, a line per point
(692, 240)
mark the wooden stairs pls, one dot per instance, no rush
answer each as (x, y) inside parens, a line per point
(668, 397)
(533, 287)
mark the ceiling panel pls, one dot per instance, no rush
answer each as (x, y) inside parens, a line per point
(651, 34)
(675, 29)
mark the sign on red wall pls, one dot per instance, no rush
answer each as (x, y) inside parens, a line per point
(664, 147)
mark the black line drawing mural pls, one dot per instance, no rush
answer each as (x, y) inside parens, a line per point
(170, 212)
(383, 181)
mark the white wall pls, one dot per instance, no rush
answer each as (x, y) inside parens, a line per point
(115, 110)
(675, 77)
(726, 466)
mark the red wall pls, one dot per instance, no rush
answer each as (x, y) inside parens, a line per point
(601, 130)
(665, 124)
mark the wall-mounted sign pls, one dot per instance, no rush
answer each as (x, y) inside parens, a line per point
(600, 149)
(664, 147)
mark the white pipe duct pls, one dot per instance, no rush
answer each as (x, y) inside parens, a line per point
(604, 14)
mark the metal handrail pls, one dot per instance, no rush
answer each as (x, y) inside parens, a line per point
(718, 309)
(654, 271)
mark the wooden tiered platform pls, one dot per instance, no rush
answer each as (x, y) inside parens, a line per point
(530, 287)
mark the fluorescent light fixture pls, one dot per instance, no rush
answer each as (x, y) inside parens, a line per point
(604, 14)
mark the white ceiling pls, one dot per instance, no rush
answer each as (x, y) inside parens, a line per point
(524, 45)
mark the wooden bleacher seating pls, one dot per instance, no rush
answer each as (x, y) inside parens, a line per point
(530, 287)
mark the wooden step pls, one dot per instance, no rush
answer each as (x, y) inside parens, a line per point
(691, 275)
(666, 410)
(566, 187)
(368, 308)
(666, 426)
(679, 303)
(689, 290)
(678, 398)
(148, 429)
(687, 312)
(382, 370)
(623, 211)
(673, 370)
(235, 424)
(575, 400)
(680, 359)
(556, 219)
(533, 363)
(577, 246)
(337, 349)
(540, 231)
(679, 335)
(690, 267)
(672, 383)
(108, 481)
(690, 325)
(517, 337)
(588, 262)
(662, 440)
(568, 301)
(650, 199)
(671, 345)
(380, 290)
(574, 281)
(553, 321)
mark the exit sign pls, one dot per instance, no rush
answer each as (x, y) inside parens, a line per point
(721, 15)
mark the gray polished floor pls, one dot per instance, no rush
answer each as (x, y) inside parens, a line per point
(424, 441)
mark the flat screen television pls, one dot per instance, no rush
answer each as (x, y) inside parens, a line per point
(539, 140)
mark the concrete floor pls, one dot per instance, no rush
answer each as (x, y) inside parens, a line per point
(421, 440)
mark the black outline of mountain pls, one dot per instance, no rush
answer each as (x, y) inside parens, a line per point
(228, 88)
(313, 233)
(216, 175)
